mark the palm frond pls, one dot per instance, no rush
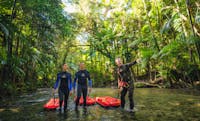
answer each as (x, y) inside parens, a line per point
(167, 26)
(4, 30)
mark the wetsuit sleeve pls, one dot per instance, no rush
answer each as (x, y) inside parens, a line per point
(89, 80)
(131, 64)
(74, 84)
(70, 82)
(57, 81)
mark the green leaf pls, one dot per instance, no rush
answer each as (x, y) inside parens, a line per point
(135, 43)
(177, 24)
(146, 53)
(35, 50)
(197, 16)
(4, 30)
(173, 49)
(145, 29)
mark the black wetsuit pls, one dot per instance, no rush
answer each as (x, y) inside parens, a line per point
(64, 84)
(82, 76)
(125, 75)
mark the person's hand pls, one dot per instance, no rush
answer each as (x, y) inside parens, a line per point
(70, 93)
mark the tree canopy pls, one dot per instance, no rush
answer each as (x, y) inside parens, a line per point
(38, 36)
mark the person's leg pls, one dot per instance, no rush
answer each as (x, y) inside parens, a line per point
(60, 94)
(84, 90)
(130, 96)
(123, 94)
(79, 90)
(66, 99)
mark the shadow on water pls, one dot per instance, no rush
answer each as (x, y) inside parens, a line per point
(151, 104)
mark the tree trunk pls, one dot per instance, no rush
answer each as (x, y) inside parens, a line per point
(17, 47)
(9, 49)
(150, 26)
(184, 28)
(149, 71)
(192, 26)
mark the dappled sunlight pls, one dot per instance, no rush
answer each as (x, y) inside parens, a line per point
(174, 103)
(198, 104)
(70, 7)
(190, 99)
(2, 109)
(15, 110)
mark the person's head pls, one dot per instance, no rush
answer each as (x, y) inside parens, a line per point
(82, 66)
(118, 61)
(65, 67)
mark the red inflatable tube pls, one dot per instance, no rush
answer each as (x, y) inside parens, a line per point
(108, 101)
(89, 100)
(52, 104)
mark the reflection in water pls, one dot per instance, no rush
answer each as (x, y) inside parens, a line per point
(152, 104)
(81, 113)
(77, 113)
(127, 115)
(63, 115)
(84, 112)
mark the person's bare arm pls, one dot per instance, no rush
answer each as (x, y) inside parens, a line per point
(118, 83)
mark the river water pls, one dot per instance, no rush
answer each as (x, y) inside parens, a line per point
(152, 104)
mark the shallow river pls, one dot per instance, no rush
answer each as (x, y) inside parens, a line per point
(151, 105)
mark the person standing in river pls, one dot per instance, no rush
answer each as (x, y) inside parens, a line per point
(125, 81)
(83, 84)
(64, 85)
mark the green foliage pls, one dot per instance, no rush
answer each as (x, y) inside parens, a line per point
(4, 30)
(173, 49)
(38, 36)
(197, 16)
(146, 55)
(168, 25)
(33, 32)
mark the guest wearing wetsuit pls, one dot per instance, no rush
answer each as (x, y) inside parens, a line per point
(64, 85)
(83, 81)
